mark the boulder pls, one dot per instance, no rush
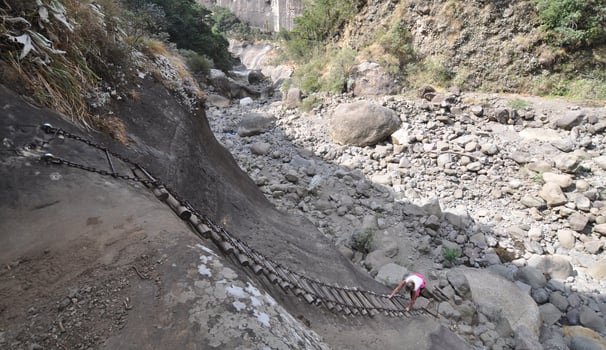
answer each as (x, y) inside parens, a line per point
(581, 338)
(293, 98)
(217, 101)
(566, 238)
(371, 79)
(563, 180)
(570, 120)
(459, 283)
(552, 194)
(526, 340)
(591, 320)
(556, 266)
(531, 276)
(495, 291)
(255, 124)
(391, 274)
(550, 314)
(362, 123)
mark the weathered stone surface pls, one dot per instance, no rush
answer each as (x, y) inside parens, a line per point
(581, 338)
(293, 98)
(570, 119)
(550, 314)
(591, 320)
(526, 340)
(563, 180)
(566, 238)
(217, 101)
(598, 270)
(459, 283)
(497, 292)
(371, 79)
(362, 123)
(552, 194)
(556, 266)
(531, 276)
(578, 221)
(391, 274)
(260, 148)
(600, 229)
(540, 134)
(254, 124)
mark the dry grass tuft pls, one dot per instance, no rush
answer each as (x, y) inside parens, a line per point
(114, 127)
(154, 47)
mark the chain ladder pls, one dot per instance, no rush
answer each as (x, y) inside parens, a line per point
(351, 301)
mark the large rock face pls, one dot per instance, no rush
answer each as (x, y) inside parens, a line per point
(271, 15)
(362, 123)
(497, 292)
(97, 262)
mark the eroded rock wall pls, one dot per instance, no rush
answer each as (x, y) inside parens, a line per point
(269, 15)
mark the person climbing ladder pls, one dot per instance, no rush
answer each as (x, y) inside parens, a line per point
(414, 284)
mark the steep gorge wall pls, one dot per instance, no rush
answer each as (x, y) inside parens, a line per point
(269, 15)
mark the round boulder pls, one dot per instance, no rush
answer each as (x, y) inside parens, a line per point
(362, 123)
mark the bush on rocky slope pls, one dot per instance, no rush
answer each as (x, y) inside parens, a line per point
(542, 47)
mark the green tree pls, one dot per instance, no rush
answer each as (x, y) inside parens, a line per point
(190, 26)
(574, 23)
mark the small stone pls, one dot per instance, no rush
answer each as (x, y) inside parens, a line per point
(474, 166)
(540, 296)
(260, 148)
(563, 180)
(531, 276)
(535, 233)
(590, 319)
(598, 270)
(582, 203)
(593, 246)
(559, 301)
(600, 229)
(567, 162)
(552, 194)
(489, 149)
(600, 161)
(532, 201)
(566, 238)
(458, 193)
(550, 314)
(570, 120)
(577, 221)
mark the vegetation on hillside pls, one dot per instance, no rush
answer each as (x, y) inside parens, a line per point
(571, 36)
(64, 52)
(573, 23)
(186, 23)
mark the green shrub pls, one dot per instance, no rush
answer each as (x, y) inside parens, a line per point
(320, 21)
(432, 70)
(197, 64)
(190, 26)
(308, 76)
(398, 42)
(573, 23)
(518, 103)
(451, 254)
(362, 241)
(338, 70)
(309, 103)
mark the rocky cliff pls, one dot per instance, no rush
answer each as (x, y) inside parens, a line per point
(269, 15)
